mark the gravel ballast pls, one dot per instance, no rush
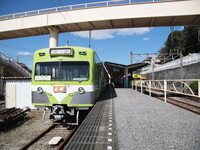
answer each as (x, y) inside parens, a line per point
(18, 135)
(145, 123)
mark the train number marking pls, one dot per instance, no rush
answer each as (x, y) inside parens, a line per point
(59, 89)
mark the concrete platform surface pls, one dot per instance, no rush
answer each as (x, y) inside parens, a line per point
(145, 123)
(96, 131)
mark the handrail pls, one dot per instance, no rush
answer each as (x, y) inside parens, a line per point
(14, 64)
(183, 87)
(74, 7)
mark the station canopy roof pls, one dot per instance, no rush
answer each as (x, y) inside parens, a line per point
(130, 68)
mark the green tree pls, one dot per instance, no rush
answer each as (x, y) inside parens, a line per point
(191, 43)
(185, 41)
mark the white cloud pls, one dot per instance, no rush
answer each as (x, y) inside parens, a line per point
(132, 31)
(146, 39)
(109, 34)
(24, 53)
(96, 35)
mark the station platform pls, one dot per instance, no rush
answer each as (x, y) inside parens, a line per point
(124, 119)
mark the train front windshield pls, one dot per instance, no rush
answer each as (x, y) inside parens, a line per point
(62, 71)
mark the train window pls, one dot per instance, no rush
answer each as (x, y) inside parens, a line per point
(62, 71)
(47, 71)
(74, 71)
(115, 69)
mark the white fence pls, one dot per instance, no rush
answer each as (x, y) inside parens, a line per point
(189, 87)
(77, 6)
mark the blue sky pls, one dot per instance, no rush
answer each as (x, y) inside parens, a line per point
(111, 45)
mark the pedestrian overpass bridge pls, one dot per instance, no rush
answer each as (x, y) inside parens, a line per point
(100, 15)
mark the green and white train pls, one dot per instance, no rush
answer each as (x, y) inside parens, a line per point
(67, 80)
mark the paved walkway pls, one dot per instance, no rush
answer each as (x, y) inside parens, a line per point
(145, 123)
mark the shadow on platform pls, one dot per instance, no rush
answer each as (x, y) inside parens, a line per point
(109, 93)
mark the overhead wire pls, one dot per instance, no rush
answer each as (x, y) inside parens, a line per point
(67, 21)
(15, 46)
(72, 23)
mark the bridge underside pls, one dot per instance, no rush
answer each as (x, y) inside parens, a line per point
(149, 14)
(106, 24)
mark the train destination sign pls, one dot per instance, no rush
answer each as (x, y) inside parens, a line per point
(61, 51)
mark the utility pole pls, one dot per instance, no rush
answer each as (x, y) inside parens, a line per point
(90, 35)
(67, 43)
(181, 64)
(172, 39)
(131, 57)
(162, 56)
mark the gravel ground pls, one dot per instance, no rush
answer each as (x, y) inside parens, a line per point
(20, 134)
(144, 123)
(42, 144)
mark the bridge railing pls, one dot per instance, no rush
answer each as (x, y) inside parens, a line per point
(9, 61)
(73, 7)
(188, 87)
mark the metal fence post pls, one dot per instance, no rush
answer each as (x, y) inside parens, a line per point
(136, 87)
(165, 90)
(132, 84)
(149, 87)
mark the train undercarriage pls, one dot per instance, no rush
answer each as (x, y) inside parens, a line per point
(61, 114)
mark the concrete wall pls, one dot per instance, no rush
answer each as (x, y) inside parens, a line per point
(189, 72)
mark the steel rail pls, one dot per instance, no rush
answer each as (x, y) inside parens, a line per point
(183, 103)
(25, 147)
(179, 105)
(67, 139)
(178, 101)
(38, 137)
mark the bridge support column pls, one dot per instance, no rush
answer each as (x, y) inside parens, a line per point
(53, 40)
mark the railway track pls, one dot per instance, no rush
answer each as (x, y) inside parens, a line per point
(41, 140)
(184, 105)
(185, 102)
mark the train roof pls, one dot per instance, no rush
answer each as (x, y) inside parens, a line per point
(73, 47)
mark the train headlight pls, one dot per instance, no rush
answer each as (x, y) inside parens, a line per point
(81, 90)
(40, 90)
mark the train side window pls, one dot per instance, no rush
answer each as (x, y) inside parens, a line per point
(96, 59)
